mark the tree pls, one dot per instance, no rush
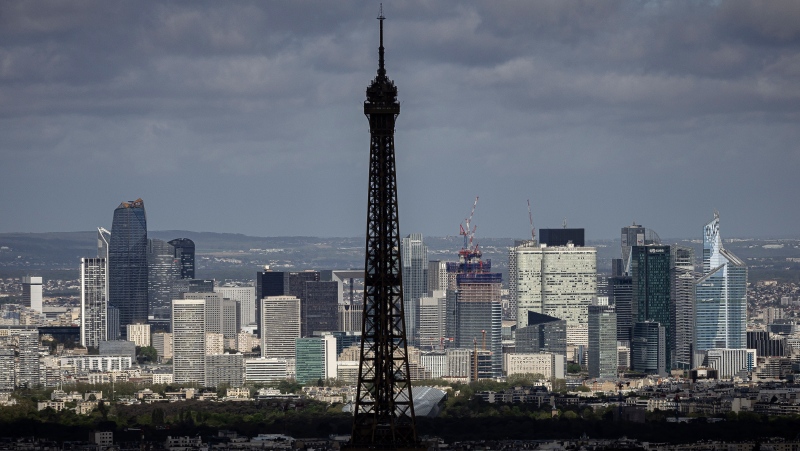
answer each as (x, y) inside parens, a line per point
(146, 354)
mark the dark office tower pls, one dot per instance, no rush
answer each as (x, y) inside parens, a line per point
(620, 295)
(652, 298)
(648, 350)
(682, 314)
(384, 407)
(617, 269)
(163, 269)
(415, 281)
(127, 263)
(184, 253)
(296, 285)
(561, 237)
(543, 333)
(635, 235)
(269, 283)
(320, 308)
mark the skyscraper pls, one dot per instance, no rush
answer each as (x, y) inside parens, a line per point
(652, 298)
(476, 308)
(281, 321)
(542, 334)
(319, 310)
(561, 237)
(188, 340)
(635, 235)
(32, 292)
(648, 348)
(683, 303)
(94, 302)
(721, 295)
(184, 253)
(437, 276)
(415, 280)
(602, 342)
(163, 269)
(620, 295)
(558, 281)
(127, 265)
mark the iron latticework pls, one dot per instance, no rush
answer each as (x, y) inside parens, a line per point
(384, 409)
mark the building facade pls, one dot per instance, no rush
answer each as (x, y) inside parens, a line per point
(721, 295)
(652, 289)
(603, 355)
(127, 263)
(94, 301)
(281, 323)
(557, 281)
(415, 281)
(188, 341)
(315, 359)
(163, 269)
(648, 348)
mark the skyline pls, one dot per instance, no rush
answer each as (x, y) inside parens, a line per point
(656, 113)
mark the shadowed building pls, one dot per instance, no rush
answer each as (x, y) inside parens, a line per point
(127, 263)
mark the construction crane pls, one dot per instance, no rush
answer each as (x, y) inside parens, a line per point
(530, 218)
(468, 252)
(484, 339)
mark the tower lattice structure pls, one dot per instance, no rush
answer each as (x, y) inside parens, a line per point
(384, 409)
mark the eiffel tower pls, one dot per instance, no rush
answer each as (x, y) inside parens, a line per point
(384, 408)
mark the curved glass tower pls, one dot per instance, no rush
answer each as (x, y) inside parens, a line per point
(127, 263)
(721, 295)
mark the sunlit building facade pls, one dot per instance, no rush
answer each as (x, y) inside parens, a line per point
(721, 295)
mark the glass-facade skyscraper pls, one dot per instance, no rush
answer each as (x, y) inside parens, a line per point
(184, 253)
(415, 281)
(651, 288)
(721, 295)
(94, 301)
(163, 270)
(127, 263)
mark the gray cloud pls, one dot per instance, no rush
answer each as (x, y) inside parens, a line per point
(246, 117)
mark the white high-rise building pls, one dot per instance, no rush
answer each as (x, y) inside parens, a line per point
(559, 281)
(94, 301)
(265, 370)
(351, 317)
(246, 297)
(139, 334)
(432, 320)
(281, 324)
(188, 340)
(215, 344)
(32, 292)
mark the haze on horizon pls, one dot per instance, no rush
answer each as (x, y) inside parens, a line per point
(247, 117)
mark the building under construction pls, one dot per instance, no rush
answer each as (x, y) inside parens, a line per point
(475, 311)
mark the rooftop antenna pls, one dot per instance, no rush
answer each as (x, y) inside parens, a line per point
(530, 217)
(564, 224)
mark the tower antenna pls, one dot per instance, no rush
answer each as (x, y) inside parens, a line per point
(530, 218)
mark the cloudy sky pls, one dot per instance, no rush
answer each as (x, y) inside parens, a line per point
(247, 117)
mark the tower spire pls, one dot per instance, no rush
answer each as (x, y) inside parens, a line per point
(381, 68)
